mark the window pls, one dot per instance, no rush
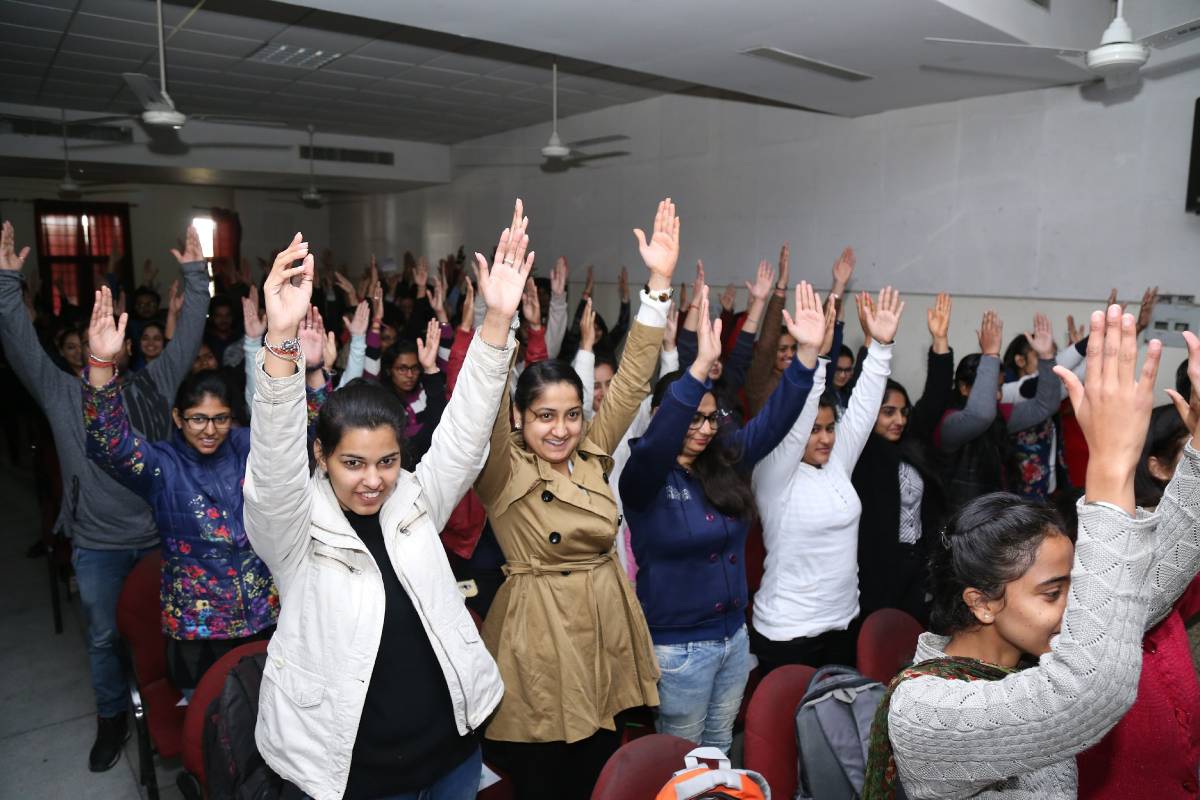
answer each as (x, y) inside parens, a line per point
(205, 227)
(78, 245)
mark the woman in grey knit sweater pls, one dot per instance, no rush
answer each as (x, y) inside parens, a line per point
(1003, 592)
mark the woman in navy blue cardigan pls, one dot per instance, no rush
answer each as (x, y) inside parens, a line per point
(688, 503)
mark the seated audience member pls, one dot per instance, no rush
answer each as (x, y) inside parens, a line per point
(843, 377)
(898, 480)
(688, 500)
(806, 609)
(222, 327)
(373, 626)
(71, 345)
(1009, 583)
(411, 372)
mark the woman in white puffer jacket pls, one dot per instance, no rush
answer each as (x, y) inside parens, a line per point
(376, 681)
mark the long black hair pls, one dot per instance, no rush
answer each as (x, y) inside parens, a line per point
(986, 544)
(359, 404)
(725, 488)
(914, 449)
(1164, 441)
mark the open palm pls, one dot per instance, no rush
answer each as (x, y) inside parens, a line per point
(288, 289)
(502, 285)
(807, 324)
(882, 318)
(661, 252)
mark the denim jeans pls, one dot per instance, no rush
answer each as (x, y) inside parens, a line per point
(700, 691)
(460, 783)
(100, 574)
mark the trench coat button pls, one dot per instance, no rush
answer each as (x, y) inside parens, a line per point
(713, 558)
(606, 477)
(547, 496)
(733, 558)
(583, 456)
(555, 537)
(566, 573)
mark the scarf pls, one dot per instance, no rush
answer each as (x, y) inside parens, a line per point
(881, 779)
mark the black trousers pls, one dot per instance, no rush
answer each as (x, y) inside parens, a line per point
(831, 647)
(555, 770)
(189, 659)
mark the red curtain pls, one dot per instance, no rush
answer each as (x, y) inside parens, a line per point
(75, 242)
(227, 239)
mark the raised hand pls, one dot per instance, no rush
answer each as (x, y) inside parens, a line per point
(421, 276)
(661, 253)
(174, 298)
(806, 324)
(1042, 337)
(938, 318)
(106, 333)
(863, 303)
(437, 299)
(883, 317)
(558, 277)
(589, 284)
(672, 328)
(1075, 334)
(843, 269)
(831, 318)
(1189, 410)
(785, 258)
(192, 251)
(503, 284)
(587, 326)
(760, 290)
(343, 283)
(728, 298)
(254, 322)
(329, 352)
(708, 339)
(1146, 310)
(287, 290)
(699, 283)
(467, 323)
(10, 259)
(312, 338)
(149, 274)
(623, 284)
(531, 307)
(427, 348)
(991, 334)
(1113, 407)
(357, 325)
(377, 303)
(246, 272)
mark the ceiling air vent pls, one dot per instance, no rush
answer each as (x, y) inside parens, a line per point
(349, 156)
(47, 127)
(287, 55)
(811, 64)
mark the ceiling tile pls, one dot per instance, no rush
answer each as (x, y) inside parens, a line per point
(25, 69)
(32, 55)
(116, 30)
(97, 63)
(494, 86)
(317, 39)
(435, 77)
(343, 80)
(194, 59)
(467, 63)
(266, 70)
(312, 90)
(532, 75)
(34, 15)
(233, 46)
(103, 47)
(398, 51)
(243, 25)
(411, 87)
(34, 37)
(135, 10)
(374, 67)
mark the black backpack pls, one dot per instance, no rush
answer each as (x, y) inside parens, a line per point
(232, 763)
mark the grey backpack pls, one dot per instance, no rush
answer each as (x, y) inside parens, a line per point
(833, 729)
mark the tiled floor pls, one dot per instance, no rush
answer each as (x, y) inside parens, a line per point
(47, 714)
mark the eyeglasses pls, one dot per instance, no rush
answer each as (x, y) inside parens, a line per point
(198, 422)
(699, 419)
(407, 368)
(843, 370)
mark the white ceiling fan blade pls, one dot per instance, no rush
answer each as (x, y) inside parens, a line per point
(233, 119)
(1173, 36)
(1065, 52)
(616, 137)
(146, 92)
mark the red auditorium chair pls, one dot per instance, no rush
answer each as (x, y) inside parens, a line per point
(886, 643)
(157, 717)
(207, 690)
(638, 770)
(770, 743)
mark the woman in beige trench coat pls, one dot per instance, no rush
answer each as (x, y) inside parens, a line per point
(566, 627)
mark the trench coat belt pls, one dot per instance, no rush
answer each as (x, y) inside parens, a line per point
(536, 567)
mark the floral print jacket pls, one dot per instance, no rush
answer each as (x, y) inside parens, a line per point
(214, 586)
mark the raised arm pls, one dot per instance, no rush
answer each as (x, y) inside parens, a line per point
(1042, 715)
(461, 440)
(357, 357)
(960, 427)
(41, 377)
(556, 319)
(169, 369)
(855, 426)
(1049, 391)
(278, 500)
(939, 372)
(632, 380)
(768, 342)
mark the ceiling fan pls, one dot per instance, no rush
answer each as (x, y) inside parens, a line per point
(1119, 57)
(159, 112)
(310, 196)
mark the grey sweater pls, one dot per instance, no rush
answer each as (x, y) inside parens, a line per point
(97, 512)
(1018, 737)
(960, 427)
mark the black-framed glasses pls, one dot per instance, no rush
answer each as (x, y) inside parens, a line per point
(407, 368)
(843, 370)
(699, 419)
(198, 422)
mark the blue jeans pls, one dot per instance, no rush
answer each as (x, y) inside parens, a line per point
(100, 575)
(700, 691)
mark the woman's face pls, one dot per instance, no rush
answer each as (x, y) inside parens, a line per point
(205, 425)
(205, 360)
(820, 441)
(152, 342)
(1030, 612)
(716, 370)
(73, 351)
(603, 375)
(405, 372)
(893, 416)
(363, 468)
(1027, 361)
(387, 336)
(785, 352)
(843, 371)
(553, 422)
(703, 428)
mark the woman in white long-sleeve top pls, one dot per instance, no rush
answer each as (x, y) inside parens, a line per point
(376, 682)
(967, 720)
(808, 600)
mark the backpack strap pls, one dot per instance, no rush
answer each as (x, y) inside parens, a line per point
(882, 781)
(693, 759)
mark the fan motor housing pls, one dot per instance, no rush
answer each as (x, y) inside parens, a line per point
(164, 118)
(1117, 57)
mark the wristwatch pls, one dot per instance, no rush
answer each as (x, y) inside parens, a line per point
(661, 296)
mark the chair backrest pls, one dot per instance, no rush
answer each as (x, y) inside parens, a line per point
(770, 739)
(207, 690)
(139, 619)
(642, 767)
(886, 643)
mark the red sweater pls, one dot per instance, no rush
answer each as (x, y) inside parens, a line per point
(1154, 751)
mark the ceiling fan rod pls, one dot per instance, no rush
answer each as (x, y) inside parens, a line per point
(162, 57)
(554, 102)
(66, 149)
